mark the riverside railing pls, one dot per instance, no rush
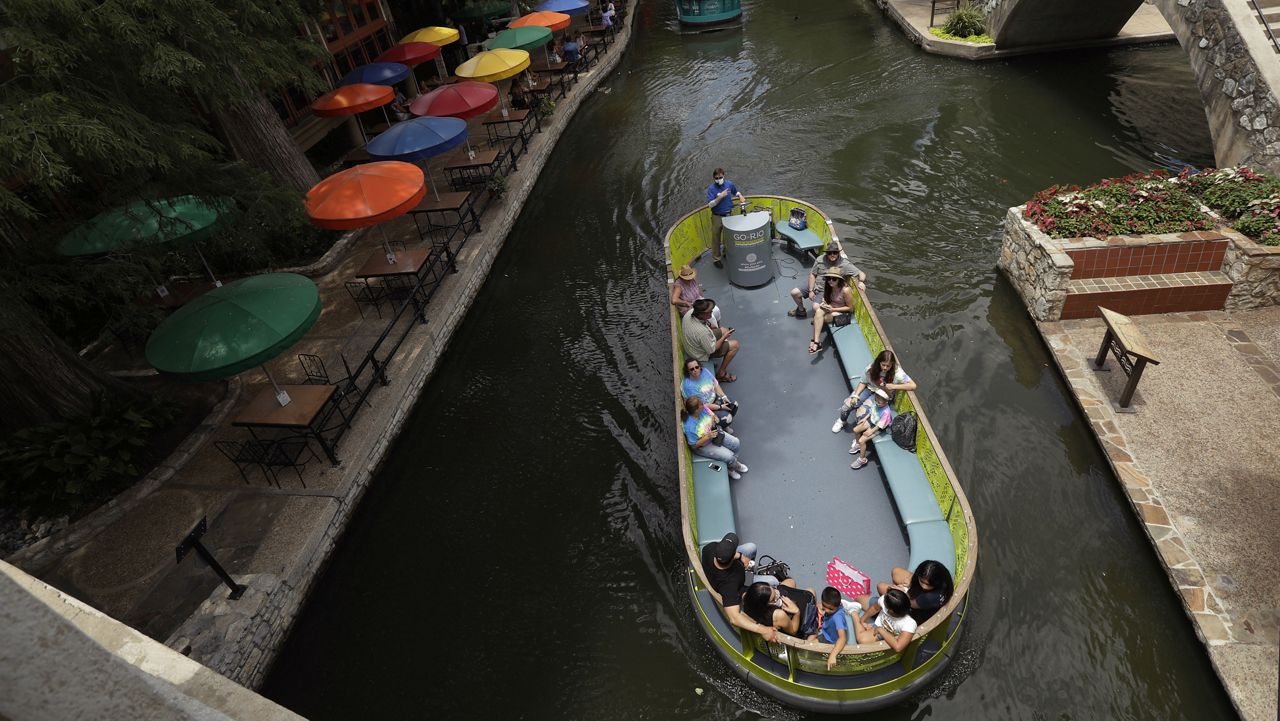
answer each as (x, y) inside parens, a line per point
(1266, 25)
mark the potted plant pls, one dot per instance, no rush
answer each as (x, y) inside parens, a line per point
(497, 185)
(546, 107)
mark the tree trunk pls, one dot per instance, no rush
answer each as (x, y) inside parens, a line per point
(259, 138)
(41, 378)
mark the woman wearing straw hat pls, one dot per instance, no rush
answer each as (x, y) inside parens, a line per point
(685, 290)
(835, 308)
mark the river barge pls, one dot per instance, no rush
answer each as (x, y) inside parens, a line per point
(700, 14)
(801, 502)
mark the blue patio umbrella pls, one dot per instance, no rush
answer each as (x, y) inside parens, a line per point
(418, 139)
(567, 7)
(377, 74)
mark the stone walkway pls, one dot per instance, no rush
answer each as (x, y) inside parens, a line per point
(1200, 463)
(1146, 26)
(120, 559)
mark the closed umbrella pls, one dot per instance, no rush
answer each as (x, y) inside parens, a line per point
(353, 100)
(464, 100)
(567, 7)
(243, 324)
(523, 38)
(366, 195)
(548, 20)
(435, 35)
(377, 74)
(185, 219)
(419, 139)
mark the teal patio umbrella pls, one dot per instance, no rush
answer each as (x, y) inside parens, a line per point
(184, 219)
(242, 324)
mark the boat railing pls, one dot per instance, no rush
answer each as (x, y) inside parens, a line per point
(685, 242)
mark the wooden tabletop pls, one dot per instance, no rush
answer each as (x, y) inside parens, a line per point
(513, 116)
(541, 85)
(447, 201)
(596, 29)
(1128, 334)
(408, 262)
(483, 158)
(264, 411)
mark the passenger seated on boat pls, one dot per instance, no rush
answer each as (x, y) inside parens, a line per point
(725, 564)
(836, 307)
(699, 381)
(835, 627)
(877, 420)
(792, 610)
(884, 372)
(707, 439)
(832, 259)
(892, 622)
(685, 290)
(700, 341)
(928, 589)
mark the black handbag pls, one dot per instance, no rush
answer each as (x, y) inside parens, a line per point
(770, 566)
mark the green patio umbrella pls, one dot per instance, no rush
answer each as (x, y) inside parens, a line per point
(147, 222)
(236, 327)
(525, 38)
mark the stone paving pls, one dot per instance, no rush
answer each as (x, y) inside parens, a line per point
(1200, 464)
(120, 559)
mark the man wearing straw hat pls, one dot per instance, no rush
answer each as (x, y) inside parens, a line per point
(832, 259)
(721, 195)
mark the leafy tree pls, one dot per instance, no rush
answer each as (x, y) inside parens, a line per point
(113, 100)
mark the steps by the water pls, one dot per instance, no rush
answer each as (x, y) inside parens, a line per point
(1269, 13)
(1145, 294)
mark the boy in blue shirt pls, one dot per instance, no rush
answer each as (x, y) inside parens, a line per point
(721, 195)
(835, 624)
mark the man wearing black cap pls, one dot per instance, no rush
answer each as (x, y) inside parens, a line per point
(725, 563)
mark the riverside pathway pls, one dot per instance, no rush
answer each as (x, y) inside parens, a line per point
(1199, 463)
(120, 559)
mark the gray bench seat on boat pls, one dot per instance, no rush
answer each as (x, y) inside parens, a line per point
(712, 500)
(806, 239)
(927, 532)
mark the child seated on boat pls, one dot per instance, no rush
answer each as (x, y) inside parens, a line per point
(784, 607)
(836, 628)
(892, 620)
(701, 382)
(875, 421)
(707, 439)
(928, 589)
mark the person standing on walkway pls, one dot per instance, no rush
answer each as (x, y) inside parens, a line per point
(721, 195)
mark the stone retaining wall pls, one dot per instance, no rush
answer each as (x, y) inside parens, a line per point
(1255, 271)
(1036, 266)
(240, 639)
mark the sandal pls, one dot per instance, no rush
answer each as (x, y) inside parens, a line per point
(798, 313)
(727, 379)
(814, 347)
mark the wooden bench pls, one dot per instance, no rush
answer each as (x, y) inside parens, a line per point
(1123, 339)
(805, 240)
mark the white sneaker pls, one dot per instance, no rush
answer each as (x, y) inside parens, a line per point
(854, 449)
(728, 418)
(742, 467)
(734, 475)
(851, 606)
(837, 426)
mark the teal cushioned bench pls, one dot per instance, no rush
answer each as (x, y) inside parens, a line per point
(931, 541)
(852, 348)
(803, 239)
(712, 501)
(911, 492)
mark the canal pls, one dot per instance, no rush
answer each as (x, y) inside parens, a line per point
(519, 554)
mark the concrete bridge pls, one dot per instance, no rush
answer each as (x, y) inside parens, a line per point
(1236, 63)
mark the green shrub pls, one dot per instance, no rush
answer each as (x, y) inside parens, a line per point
(1229, 191)
(497, 184)
(1261, 220)
(967, 20)
(546, 107)
(1135, 204)
(61, 467)
(944, 35)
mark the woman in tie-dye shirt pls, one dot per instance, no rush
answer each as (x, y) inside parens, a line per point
(700, 431)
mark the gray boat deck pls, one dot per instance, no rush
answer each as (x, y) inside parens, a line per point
(800, 501)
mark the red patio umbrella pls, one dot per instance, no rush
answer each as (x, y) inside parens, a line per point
(366, 195)
(352, 100)
(465, 99)
(409, 54)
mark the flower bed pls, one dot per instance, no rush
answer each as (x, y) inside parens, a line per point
(1155, 203)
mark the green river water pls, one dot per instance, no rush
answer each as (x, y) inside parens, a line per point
(519, 555)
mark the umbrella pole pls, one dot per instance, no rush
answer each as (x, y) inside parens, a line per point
(216, 283)
(385, 116)
(427, 166)
(391, 254)
(282, 396)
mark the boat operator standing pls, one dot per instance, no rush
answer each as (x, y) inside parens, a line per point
(721, 195)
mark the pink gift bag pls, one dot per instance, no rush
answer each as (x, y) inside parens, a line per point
(848, 580)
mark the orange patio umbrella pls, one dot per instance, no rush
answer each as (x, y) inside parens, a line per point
(551, 21)
(366, 195)
(352, 100)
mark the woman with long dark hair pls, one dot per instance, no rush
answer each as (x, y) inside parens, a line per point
(792, 610)
(929, 588)
(883, 373)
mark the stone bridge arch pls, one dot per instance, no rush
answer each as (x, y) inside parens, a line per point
(1236, 64)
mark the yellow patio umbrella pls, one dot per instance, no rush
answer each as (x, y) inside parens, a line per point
(491, 66)
(435, 35)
